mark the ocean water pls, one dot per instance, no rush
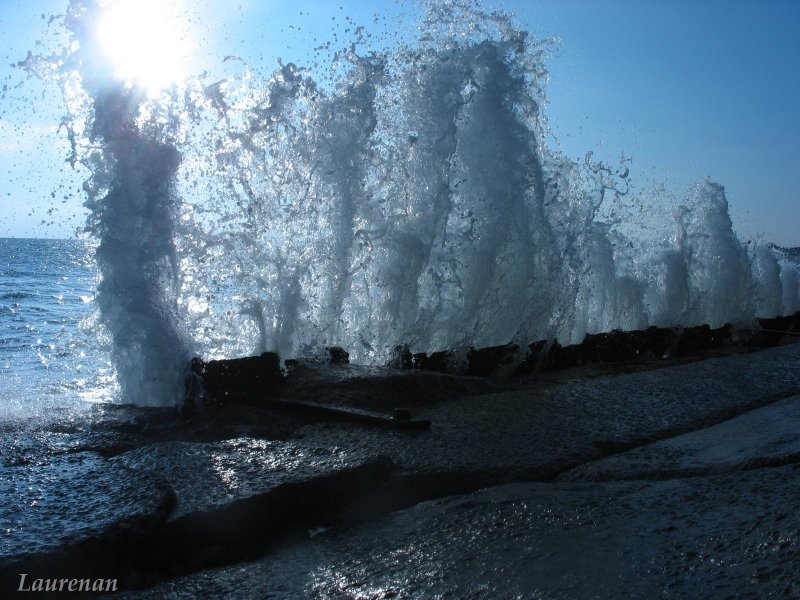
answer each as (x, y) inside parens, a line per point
(406, 196)
(50, 356)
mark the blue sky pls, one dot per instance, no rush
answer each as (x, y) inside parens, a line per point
(686, 89)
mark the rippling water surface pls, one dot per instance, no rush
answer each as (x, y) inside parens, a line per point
(50, 355)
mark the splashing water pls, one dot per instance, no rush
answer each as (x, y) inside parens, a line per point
(406, 197)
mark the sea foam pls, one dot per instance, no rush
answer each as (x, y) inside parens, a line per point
(407, 196)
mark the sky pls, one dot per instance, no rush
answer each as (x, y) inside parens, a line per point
(685, 89)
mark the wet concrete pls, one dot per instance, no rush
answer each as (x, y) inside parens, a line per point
(545, 487)
(764, 437)
(103, 495)
(725, 536)
(546, 428)
(206, 476)
(77, 514)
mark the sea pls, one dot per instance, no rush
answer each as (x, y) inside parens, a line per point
(52, 358)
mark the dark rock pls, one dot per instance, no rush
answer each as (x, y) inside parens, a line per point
(562, 357)
(697, 339)
(444, 361)
(378, 389)
(484, 362)
(401, 414)
(659, 341)
(238, 379)
(609, 347)
(537, 352)
(763, 338)
(338, 355)
(722, 335)
(420, 361)
(402, 359)
(771, 332)
(612, 346)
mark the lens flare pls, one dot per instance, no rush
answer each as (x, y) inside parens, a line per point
(146, 41)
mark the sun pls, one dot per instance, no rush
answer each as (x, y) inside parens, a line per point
(146, 41)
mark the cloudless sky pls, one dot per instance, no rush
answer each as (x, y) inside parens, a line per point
(686, 89)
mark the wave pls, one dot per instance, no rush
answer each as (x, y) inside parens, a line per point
(407, 197)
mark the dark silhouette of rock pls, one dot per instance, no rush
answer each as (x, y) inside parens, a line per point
(658, 341)
(612, 346)
(401, 414)
(561, 357)
(402, 359)
(770, 332)
(443, 361)
(237, 379)
(537, 351)
(700, 338)
(338, 355)
(484, 362)
(233, 379)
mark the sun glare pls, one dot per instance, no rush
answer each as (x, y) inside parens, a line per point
(146, 41)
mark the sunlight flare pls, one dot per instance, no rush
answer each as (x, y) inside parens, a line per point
(146, 41)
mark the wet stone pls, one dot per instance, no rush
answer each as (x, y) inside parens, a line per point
(737, 532)
(242, 497)
(768, 436)
(206, 476)
(72, 498)
(539, 431)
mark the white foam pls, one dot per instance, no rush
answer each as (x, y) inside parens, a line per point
(410, 199)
